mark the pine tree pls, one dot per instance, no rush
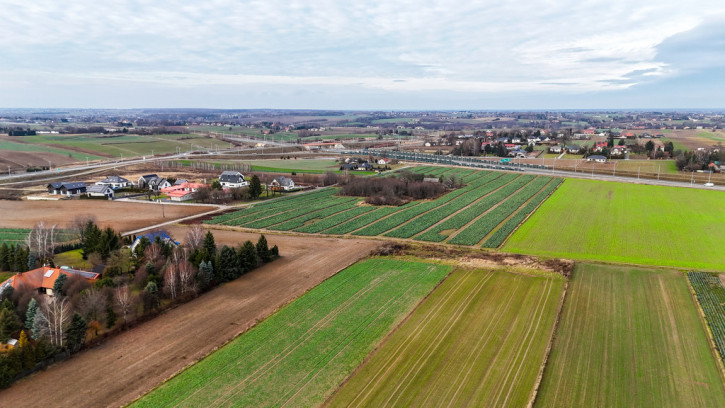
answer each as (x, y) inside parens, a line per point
(39, 326)
(209, 246)
(262, 249)
(255, 187)
(27, 350)
(30, 313)
(76, 334)
(110, 315)
(58, 285)
(4, 251)
(32, 261)
(228, 268)
(9, 322)
(274, 252)
(248, 257)
(205, 275)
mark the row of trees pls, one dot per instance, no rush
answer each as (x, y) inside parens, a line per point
(390, 190)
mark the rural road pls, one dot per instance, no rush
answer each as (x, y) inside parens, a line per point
(130, 364)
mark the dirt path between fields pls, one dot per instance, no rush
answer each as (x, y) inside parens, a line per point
(127, 366)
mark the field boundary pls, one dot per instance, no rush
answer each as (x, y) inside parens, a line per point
(531, 213)
(708, 332)
(542, 369)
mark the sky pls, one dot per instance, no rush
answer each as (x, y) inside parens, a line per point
(363, 55)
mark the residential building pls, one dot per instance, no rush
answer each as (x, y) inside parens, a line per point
(115, 182)
(97, 190)
(232, 179)
(282, 183)
(66, 188)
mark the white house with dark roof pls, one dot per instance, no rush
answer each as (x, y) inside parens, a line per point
(66, 188)
(114, 182)
(101, 190)
(282, 183)
(232, 179)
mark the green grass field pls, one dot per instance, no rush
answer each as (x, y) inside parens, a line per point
(27, 147)
(479, 339)
(628, 223)
(299, 355)
(630, 338)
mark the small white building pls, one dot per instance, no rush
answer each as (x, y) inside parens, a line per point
(99, 190)
(115, 182)
(232, 179)
(282, 183)
(597, 158)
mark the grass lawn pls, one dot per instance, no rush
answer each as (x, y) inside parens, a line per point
(74, 259)
(647, 166)
(630, 337)
(299, 355)
(630, 223)
(481, 336)
(27, 147)
(5, 276)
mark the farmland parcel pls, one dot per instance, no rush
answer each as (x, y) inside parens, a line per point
(299, 355)
(483, 212)
(629, 223)
(480, 338)
(630, 337)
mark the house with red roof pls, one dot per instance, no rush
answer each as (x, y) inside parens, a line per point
(42, 279)
(183, 191)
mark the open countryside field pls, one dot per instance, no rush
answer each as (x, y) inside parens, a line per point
(630, 337)
(711, 297)
(298, 356)
(18, 235)
(122, 216)
(471, 215)
(629, 223)
(478, 340)
(128, 365)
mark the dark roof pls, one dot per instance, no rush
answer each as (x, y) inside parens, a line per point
(284, 181)
(597, 157)
(149, 176)
(157, 181)
(231, 177)
(180, 181)
(73, 186)
(161, 234)
(115, 179)
(56, 184)
(98, 188)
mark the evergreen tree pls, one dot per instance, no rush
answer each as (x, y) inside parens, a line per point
(141, 247)
(248, 257)
(255, 187)
(262, 249)
(209, 246)
(27, 351)
(228, 266)
(110, 315)
(20, 258)
(30, 313)
(58, 285)
(32, 261)
(91, 239)
(151, 296)
(205, 275)
(9, 321)
(76, 334)
(274, 252)
(4, 257)
(39, 325)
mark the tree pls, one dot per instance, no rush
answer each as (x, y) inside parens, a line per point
(209, 246)
(205, 275)
(41, 240)
(248, 256)
(76, 333)
(228, 264)
(274, 252)
(649, 146)
(150, 296)
(56, 313)
(58, 285)
(262, 249)
(195, 237)
(621, 142)
(9, 321)
(187, 278)
(27, 351)
(91, 238)
(529, 148)
(31, 312)
(122, 297)
(92, 304)
(216, 185)
(255, 187)
(5, 255)
(110, 315)
(171, 281)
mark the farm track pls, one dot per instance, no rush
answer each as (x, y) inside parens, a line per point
(128, 365)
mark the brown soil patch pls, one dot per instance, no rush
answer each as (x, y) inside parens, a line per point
(130, 364)
(18, 160)
(119, 215)
(722, 278)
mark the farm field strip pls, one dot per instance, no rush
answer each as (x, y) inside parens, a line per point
(644, 224)
(334, 220)
(711, 296)
(425, 221)
(314, 215)
(365, 219)
(480, 228)
(277, 204)
(18, 235)
(268, 211)
(409, 213)
(286, 216)
(327, 333)
(464, 217)
(498, 236)
(480, 336)
(630, 337)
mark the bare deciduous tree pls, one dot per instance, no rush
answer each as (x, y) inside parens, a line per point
(171, 281)
(55, 315)
(123, 299)
(187, 278)
(195, 237)
(93, 304)
(41, 240)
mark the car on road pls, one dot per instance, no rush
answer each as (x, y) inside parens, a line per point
(709, 185)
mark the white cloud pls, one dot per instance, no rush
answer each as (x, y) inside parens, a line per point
(393, 46)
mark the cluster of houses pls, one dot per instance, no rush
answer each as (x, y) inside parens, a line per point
(360, 164)
(180, 190)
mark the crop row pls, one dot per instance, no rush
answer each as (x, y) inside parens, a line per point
(363, 220)
(334, 220)
(318, 214)
(509, 226)
(711, 295)
(406, 214)
(285, 216)
(437, 214)
(477, 230)
(254, 214)
(460, 219)
(277, 204)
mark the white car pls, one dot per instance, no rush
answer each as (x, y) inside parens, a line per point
(709, 185)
